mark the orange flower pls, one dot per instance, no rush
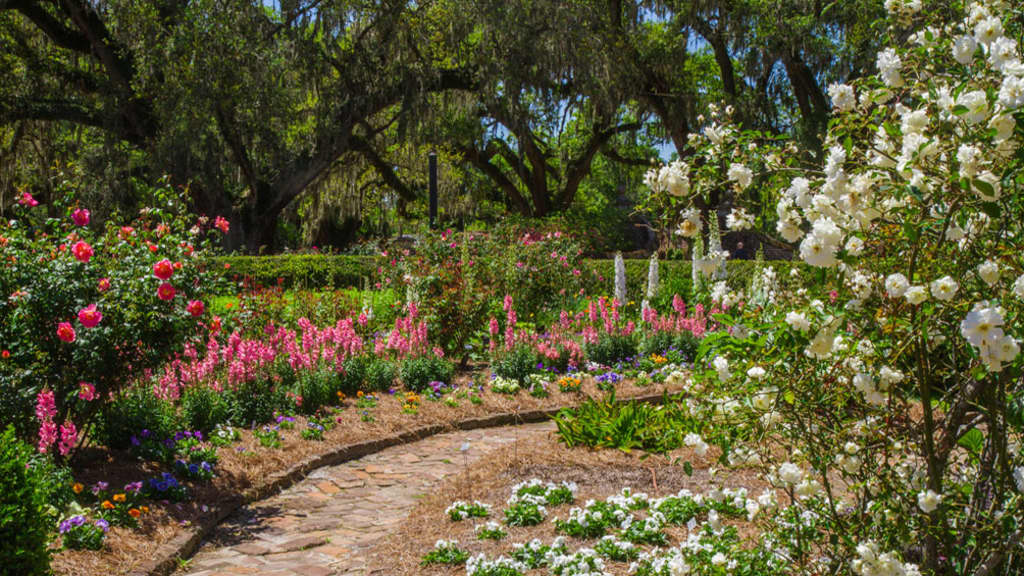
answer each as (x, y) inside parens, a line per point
(144, 509)
(77, 488)
(134, 513)
(360, 393)
(108, 505)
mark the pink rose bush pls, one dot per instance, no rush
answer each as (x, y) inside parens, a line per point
(88, 307)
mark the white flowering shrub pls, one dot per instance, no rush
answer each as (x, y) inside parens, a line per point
(892, 383)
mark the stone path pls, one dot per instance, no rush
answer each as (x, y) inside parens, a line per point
(325, 524)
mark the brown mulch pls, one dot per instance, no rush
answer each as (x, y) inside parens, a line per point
(246, 464)
(598, 474)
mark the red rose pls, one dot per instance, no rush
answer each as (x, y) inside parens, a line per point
(163, 269)
(195, 307)
(90, 316)
(65, 332)
(82, 251)
(165, 291)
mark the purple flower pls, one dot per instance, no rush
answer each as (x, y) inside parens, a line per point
(145, 433)
(135, 440)
(103, 524)
(133, 487)
(99, 487)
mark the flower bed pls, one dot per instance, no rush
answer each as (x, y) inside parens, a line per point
(245, 465)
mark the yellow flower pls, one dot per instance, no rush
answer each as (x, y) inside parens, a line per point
(77, 488)
(144, 509)
(119, 498)
(108, 505)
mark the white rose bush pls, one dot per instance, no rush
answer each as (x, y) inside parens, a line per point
(882, 393)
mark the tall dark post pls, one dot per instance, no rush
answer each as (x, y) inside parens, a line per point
(433, 189)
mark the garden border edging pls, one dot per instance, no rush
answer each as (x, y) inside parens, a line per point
(186, 544)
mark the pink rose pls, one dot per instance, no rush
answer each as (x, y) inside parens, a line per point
(103, 285)
(165, 291)
(80, 217)
(90, 316)
(222, 224)
(195, 307)
(65, 332)
(27, 200)
(163, 269)
(86, 391)
(82, 251)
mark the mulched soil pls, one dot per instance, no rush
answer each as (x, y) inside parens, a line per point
(598, 473)
(244, 464)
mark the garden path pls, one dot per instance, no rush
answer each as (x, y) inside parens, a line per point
(326, 523)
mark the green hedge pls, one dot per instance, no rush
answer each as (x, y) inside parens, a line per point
(301, 270)
(323, 271)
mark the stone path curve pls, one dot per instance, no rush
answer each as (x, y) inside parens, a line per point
(326, 523)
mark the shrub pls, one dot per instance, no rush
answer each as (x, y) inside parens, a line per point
(299, 270)
(24, 523)
(135, 410)
(256, 401)
(611, 348)
(515, 364)
(353, 375)
(380, 375)
(94, 304)
(418, 372)
(658, 342)
(316, 389)
(203, 408)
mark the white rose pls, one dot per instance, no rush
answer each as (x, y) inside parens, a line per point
(944, 288)
(916, 294)
(928, 501)
(896, 285)
(988, 271)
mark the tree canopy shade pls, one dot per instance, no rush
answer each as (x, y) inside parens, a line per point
(253, 104)
(248, 104)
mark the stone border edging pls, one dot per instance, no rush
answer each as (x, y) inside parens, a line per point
(186, 544)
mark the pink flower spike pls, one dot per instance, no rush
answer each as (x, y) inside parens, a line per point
(68, 437)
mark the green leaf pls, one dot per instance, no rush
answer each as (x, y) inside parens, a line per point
(688, 468)
(973, 441)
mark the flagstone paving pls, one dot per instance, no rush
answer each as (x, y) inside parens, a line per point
(326, 523)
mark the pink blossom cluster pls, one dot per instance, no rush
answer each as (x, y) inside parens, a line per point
(65, 438)
(678, 321)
